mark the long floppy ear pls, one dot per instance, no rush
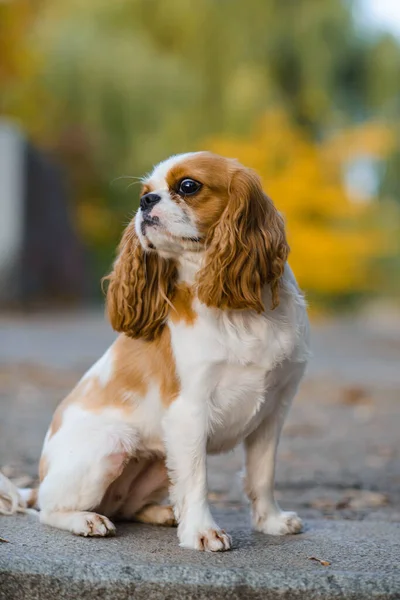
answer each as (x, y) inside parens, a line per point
(247, 249)
(140, 286)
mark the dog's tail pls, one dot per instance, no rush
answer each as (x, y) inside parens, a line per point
(14, 500)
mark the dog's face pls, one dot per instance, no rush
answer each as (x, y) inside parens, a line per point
(181, 200)
(203, 203)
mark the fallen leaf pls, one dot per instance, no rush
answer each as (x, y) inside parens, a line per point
(324, 563)
(354, 395)
(352, 499)
(345, 503)
(366, 499)
(4, 541)
(324, 504)
(217, 497)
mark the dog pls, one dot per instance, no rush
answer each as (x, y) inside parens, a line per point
(214, 343)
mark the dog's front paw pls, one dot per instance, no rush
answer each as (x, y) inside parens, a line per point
(209, 540)
(281, 523)
(92, 525)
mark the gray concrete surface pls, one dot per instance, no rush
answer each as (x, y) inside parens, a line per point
(145, 562)
(338, 466)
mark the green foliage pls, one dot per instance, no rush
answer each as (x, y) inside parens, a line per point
(113, 87)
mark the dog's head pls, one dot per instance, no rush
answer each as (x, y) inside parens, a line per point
(196, 203)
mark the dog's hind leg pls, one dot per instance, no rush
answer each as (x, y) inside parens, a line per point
(261, 446)
(81, 461)
(157, 514)
(146, 492)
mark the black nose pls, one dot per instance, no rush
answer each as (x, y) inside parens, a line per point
(149, 200)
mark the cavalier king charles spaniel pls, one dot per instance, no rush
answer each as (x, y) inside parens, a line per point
(214, 342)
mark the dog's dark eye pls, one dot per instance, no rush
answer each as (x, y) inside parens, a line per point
(188, 187)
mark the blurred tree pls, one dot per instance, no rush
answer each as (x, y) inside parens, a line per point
(16, 62)
(335, 242)
(113, 87)
(382, 74)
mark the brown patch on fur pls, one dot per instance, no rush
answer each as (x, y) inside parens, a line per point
(146, 188)
(57, 420)
(70, 399)
(140, 285)
(166, 373)
(183, 305)
(245, 239)
(128, 377)
(212, 171)
(245, 249)
(136, 364)
(43, 467)
(32, 500)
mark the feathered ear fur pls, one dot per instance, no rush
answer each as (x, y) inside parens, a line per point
(247, 249)
(140, 286)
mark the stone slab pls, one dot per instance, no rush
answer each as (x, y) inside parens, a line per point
(146, 562)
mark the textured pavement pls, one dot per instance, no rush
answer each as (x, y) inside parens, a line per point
(145, 562)
(338, 466)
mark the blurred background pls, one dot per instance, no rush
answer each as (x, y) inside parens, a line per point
(93, 93)
(306, 92)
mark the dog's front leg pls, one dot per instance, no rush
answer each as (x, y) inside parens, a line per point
(185, 433)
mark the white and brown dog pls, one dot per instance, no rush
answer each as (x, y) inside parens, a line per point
(214, 343)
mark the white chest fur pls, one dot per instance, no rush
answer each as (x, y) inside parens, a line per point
(233, 361)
